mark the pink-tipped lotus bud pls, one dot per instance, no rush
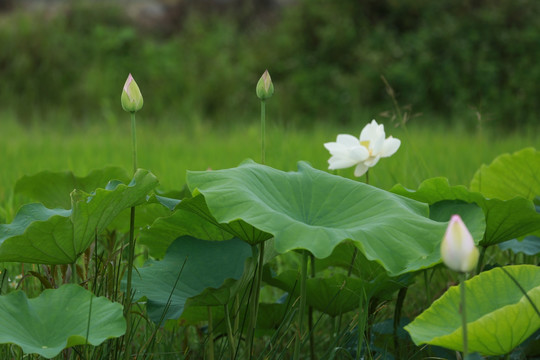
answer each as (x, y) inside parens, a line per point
(132, 100)
(458, 250)
(265, 88)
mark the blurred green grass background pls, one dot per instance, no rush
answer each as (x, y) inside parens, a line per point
(201, 59)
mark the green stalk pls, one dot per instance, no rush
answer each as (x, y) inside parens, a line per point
(481, 259)
(131, 248)
(257, 280)
(263, 130)
(303, 281)
(210, 335)
(367, 177)
(463, 308)
(134, 142)
(310, 314)
(230, 332)
(362, 321)
(397, 317)
(88, 325)
(74, 273)
(426, 288)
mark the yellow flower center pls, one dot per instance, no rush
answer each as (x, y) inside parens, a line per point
(365, 143)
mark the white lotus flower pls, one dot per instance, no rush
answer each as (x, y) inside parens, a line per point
(458, 250)
(364, 152)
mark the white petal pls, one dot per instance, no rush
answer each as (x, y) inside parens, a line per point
(370, 131)
(376, 145)
(336, 162)
(359, 153)
(390, 146)
(334, 148)
(360, 170)
(347, 140)
(372, 161)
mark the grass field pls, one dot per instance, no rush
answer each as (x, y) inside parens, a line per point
(168, 150)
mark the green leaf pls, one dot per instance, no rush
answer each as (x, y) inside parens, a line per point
(208, 265)
(509, 176)
(505, 219)
(237, 228)
(182, 221)
(52, 189)
(58, 236)
(314, 210)
(499, 316)
(471, 214)
(530, 245)
(58, 319)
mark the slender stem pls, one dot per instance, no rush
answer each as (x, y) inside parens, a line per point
(259, 278)
(254, 304)
(397, 318)
(349, 273)
(131, 247)
(427, 288)
(362, 320)
(481, 259)
(230, 335)
(310, 314)
(263, 130)
(463, 309)
(74, 273)
(303, 281)
(134, 141)
(210, 335)
(353, 259)
(88, 325)
(236, 312)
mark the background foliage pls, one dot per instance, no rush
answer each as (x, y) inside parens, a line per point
(202, 59)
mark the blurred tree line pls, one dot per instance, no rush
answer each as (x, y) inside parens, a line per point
(458, 59)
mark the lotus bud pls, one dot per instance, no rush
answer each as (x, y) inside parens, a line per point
(132, 100)
(265, 88)
(458, 250)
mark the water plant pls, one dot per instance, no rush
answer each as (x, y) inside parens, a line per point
(239, 258)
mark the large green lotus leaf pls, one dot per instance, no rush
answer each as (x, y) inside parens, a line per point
(499, 316)
(314, 210)
(52, 189)
(58, 236)
(237, 228)
(58, 319)
(208, 264)
(509, 176)
(182, 221)
(505, 219)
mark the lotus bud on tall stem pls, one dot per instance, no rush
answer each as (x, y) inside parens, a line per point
(264, 91)
(132, 101)
(460, 254)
